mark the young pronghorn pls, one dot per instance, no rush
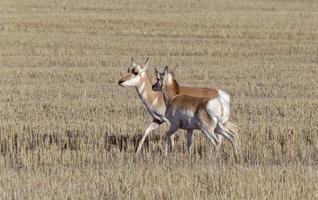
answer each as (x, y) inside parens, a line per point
(208, 93)
(153, 101)
(189, 113)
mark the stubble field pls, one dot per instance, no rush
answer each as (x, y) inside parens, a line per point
(68, 131)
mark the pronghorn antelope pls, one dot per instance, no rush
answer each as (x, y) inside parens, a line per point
(202, 93)
(137, 77)
(190, 112)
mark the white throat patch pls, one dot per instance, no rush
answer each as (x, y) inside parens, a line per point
(141, 88)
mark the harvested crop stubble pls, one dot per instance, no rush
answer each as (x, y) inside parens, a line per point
(68, 131)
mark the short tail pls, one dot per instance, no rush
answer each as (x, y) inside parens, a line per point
(225, 96)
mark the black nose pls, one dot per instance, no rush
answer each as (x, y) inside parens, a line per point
(120, 82)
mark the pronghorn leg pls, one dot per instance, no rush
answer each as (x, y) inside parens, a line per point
(169, 137)
(189, 141)
(220, 137)
(229, 135)
(172, 141)
(217, 139)
(233, 129)
(151, 127)
(212, 137)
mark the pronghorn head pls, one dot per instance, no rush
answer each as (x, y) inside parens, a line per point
(159, 76)
(162, 77)
(133, 76)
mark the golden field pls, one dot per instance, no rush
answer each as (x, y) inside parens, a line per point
(68, 131)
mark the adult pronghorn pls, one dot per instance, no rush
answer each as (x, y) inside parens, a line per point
(137, 77)
(190, 112)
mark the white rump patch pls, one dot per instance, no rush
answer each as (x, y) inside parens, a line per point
(224, 95)
(219, 108)
(214, 109)
(225, 100)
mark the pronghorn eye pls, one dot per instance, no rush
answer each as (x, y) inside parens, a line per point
(134, 72)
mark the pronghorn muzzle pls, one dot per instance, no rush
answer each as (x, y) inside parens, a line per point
(157, 87)
(120, 82)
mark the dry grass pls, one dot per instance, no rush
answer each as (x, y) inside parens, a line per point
(68, 131)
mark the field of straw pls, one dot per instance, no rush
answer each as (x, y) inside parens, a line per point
(68, 131)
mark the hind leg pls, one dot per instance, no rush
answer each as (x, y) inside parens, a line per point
(220, 137)
(208, 130)
(230, 136)
(234, 130)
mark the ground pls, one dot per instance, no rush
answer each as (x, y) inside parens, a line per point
(68, 131)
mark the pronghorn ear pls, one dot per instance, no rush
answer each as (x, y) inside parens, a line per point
(146, 63)
(156, 71)
(145, 66)
(166, 70)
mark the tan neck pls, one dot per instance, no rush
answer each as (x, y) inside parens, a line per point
(149, 97)
(170, 88)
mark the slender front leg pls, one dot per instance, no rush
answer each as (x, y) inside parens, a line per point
(189, 141)
(151, 127)
(169, 136)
